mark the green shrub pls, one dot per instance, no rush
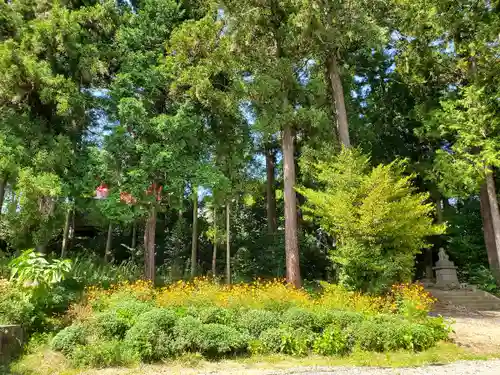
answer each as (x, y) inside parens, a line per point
(370, 335)
(286, 340)
(164, 319)
(212, 340)
(255, 346)
(217, 340)
(102, 354)
(384, 334)
(341, 319)
(297, 342)
(66, 340)
(422, 337)
(32, 267)
(270, 340)
(441, 328)
(300, 318)
(15, 306)
(386, 319)
(333, 341)
(389, 333)
(378, 216)
(186, 334)
(57, 299)
(115, 322)
(151, 336)
(109, 325)
(129, 310)
(257, 321)
(214, 314)
(397, 336)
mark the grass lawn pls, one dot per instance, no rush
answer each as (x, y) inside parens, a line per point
(48, 362)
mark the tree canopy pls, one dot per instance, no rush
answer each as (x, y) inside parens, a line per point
(226, 124)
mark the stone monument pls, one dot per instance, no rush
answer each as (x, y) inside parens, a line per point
(446, 272)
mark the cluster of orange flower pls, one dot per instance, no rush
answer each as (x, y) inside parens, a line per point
(258, 294)
(261, 294)
(335, 297)
(412, 296)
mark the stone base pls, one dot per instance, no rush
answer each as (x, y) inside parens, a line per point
(11, 342)
(427, 282)
(446, 277)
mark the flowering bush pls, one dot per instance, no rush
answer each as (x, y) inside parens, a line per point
(201, 316)
(411, 300)
(271, 295)
(335, 297)
(101, 298)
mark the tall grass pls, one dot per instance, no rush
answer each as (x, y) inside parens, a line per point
(91, 270)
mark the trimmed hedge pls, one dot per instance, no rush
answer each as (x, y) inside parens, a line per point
(151, 338)
(119, 318)
(136, 332)
(257, 321)
(67, 339)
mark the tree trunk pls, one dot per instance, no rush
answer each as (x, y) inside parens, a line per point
(228, 243)
(270, 192)
(428, 260)
(489, 239)
(65, 240)
(107, 252)
(3, 185)
(291, 239)
(491, 224)
(338, 100)
(214, 254)
(13, 198)
(194, 239)
(439, 210)
(149, 245)
(71, 229)
(134, 235)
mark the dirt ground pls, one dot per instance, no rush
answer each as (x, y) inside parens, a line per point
(478, 331)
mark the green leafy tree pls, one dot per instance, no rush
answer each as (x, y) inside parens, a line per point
(12, 151)
(204, 72)
(467, 162)
(161, 137)
(51, 55)
(263, 40)
(378, 220)
(333, 32)
(456, 45)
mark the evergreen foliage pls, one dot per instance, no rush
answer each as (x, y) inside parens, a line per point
(378, 220)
